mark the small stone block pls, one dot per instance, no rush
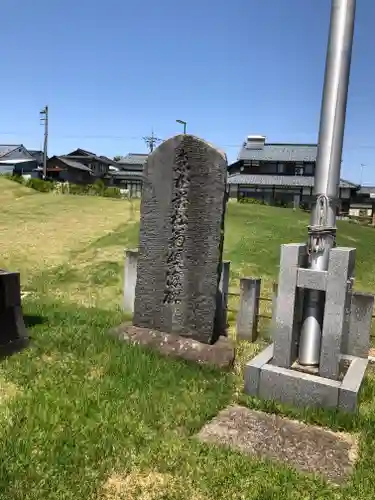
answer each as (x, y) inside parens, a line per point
(247, 317)
(252, 370)
(222, 312)
(311, 279)
(221, 354)
(10, 289)
(357, 341)
(297, 388)
(130, 279)
(12, 325)
(351, 385)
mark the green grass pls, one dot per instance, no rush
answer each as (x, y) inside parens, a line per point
(84, 416)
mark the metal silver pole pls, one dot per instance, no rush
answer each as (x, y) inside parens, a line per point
(322, 231)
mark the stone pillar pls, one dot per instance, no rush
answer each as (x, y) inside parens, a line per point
(12, 326)
(289, 305)
(274, 303)
(356, 341)
(224, 289)
(296, 201)
(337, 309)
(130, 279)
(247, 318)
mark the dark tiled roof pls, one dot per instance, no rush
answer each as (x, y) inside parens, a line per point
(366, 190)
(133, 159)
(280, 152)
(279, 180)
(7, 148)
(73, 164)
(37, 155)
(82, 153)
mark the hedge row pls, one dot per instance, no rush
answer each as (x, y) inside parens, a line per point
(96, 189)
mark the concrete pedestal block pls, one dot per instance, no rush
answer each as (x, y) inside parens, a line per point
(253, 368)
(265, 380)
(297, 388)
(351, 385)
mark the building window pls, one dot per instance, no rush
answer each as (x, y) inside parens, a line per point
(299, 169)
(309, 169)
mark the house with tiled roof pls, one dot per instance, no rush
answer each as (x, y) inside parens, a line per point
(16, 159)
(279, 174)
(79, 167)
(128, 173)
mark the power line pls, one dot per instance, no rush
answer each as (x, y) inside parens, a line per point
(139, 138)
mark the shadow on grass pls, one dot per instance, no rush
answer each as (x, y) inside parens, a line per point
(11, 348)
(33, 320)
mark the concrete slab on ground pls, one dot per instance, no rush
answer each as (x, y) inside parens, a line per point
(307, 448)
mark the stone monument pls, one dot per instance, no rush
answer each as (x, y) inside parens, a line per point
(181, 240)
(13, 332)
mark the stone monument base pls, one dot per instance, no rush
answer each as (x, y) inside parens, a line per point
(221, 354)
(295, 387)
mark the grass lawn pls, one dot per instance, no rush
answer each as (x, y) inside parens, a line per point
(83, 416)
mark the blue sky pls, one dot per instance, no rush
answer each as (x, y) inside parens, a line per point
(111, 71)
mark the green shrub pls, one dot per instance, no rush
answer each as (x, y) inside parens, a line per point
(252, 201)
(14, 178)
(112, 192)
(40, 185)
(82, 189)
(98, 187)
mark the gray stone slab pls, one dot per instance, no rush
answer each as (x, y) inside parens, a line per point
(12, 325)
(351, 385)
(312, 279)
(181, 239)
(247, 316)
(307, 448)
(10, 289)
(289, 305)
(357, 341)
(337, 310)
(220, 355)
(130, 279)
(297, 388)
(224, 290)
(252, 370)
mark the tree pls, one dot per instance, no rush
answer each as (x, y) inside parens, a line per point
(117, 158)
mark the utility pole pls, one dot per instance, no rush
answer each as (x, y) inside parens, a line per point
(44, 118)
(151, 141)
